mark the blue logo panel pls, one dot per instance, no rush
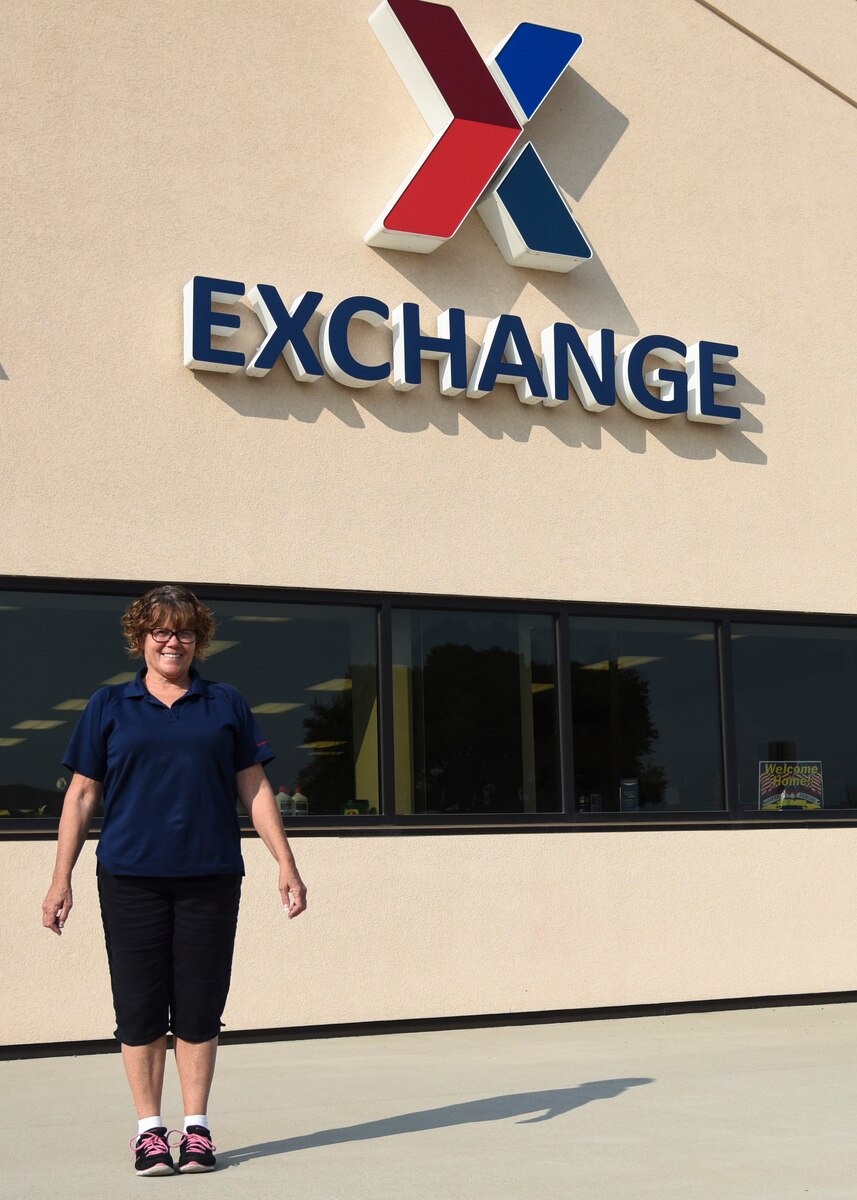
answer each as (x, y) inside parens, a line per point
(529, 218)
(524, 210)
(532, 59)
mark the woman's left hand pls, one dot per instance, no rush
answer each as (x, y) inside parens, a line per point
(255, 794)
(292, 890)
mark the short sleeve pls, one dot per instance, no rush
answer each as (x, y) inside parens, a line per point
(87, 750)
(251, 745)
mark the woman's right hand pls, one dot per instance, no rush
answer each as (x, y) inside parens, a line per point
(56, 907)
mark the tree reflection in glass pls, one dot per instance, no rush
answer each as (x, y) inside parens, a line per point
(475, 713)
(645, 715)
(337, 779)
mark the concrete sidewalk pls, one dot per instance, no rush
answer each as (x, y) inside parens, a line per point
(740, 1105)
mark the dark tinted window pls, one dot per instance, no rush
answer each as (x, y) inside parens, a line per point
(795, 716)
(308, 672)
(645, 715)
(55, 652)
(473, 705)
(474, 701)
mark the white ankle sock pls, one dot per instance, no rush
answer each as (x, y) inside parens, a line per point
(149, 1123)
(196, 1119)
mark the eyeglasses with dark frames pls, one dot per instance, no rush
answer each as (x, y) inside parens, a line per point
(162, 636)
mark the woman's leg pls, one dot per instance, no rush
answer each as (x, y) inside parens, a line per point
(195, 1062)
(144, 1066)
(138, 931)
(206, 914)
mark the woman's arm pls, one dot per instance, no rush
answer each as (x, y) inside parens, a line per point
(81, 801)
(255, 794)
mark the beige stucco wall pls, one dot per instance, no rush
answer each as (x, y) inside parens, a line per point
(423, 927)
(147, 143)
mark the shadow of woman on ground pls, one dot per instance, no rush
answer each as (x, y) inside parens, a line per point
(545, 1105)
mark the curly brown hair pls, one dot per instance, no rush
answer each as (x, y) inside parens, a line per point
(167, 606)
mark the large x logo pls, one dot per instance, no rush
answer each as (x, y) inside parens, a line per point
(476, 112)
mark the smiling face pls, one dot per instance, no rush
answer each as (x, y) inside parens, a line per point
(172, 659)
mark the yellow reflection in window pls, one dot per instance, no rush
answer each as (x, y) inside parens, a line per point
(263, 620)
(217, 647)
(623, 662)
(38, 724)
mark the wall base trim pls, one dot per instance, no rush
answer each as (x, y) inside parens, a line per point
(429, 1024)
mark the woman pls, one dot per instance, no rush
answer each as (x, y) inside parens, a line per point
(169, 753)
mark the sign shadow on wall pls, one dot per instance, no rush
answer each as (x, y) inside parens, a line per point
(497, 416)
(690, 441)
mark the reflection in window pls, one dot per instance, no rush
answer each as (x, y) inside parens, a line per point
(474, 706)
(56, 651)
(474, 710)
(309, 673)
(795, 716)
(645, 715)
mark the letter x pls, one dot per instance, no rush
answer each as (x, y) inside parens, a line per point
(476, 112)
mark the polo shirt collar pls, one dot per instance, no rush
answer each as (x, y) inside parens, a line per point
(137, 686)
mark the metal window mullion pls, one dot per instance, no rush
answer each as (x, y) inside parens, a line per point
(385, 709)
(728, 740)
(564, 702)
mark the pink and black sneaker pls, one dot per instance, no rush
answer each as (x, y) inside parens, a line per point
(196, 1150)
(152, 1152)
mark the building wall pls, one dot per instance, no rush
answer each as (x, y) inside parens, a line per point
(258, 142)
(401, 928)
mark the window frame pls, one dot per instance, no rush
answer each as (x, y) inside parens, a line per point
(387, 821)
(675, 618)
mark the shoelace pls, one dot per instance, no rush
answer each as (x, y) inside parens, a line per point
(151, 1142)
(196, 1143)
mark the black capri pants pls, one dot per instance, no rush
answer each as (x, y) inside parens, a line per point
(169, 946)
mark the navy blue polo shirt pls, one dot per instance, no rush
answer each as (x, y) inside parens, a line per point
(168, 775)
